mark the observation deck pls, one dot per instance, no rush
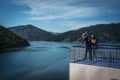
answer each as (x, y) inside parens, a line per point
(105, 66)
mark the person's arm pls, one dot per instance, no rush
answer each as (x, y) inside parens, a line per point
(83, 40)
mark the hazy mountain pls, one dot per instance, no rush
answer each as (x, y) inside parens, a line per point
(31, 32)
(104, 33)
(10, 40)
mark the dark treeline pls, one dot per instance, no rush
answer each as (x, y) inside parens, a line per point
(31, 33)
(103, 32)
(109, 33)
(10, 40)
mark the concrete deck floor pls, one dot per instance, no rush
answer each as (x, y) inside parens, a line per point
(101, 62)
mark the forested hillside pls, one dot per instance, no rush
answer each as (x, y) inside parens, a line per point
(31, 32)
(10, 40)
(109, 33)
(103, 32)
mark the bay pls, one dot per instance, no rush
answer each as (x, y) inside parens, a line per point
(40, 61)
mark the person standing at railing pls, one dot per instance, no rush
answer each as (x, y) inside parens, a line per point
(87, 41)
(94, 45)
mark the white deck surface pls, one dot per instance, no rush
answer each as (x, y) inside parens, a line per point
(90, 72)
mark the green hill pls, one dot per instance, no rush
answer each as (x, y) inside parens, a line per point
(31, 32)
(109, 33)
(10, 40)
(104, 32)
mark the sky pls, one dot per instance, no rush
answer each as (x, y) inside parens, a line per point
(59, 15)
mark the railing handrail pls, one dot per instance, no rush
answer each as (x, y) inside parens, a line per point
(99, 47)
(109, 55)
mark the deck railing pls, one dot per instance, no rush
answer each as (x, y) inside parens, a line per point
(104, 57)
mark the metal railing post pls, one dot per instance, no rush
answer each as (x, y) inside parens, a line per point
(104, 57)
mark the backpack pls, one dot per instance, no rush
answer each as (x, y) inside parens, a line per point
(94, 42)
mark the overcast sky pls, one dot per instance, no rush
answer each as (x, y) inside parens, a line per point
(59, 15)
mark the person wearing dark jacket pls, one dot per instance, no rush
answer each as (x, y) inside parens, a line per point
(87, 42)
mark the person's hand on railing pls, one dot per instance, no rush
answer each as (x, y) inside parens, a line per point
(82, 45)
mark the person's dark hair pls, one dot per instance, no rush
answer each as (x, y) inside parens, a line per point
(94, 37)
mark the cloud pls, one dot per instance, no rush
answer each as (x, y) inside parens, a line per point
(54, 9)
(57, 9)
(72, 14)
(44, 18)
(39, 7)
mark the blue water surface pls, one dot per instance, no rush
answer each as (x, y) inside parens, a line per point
(40, 61)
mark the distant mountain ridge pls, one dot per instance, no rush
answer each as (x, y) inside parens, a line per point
(103, 32)
(31, 32)
(9, 39)
(109, 33)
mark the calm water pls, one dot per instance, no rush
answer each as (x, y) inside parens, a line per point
(40, 61)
